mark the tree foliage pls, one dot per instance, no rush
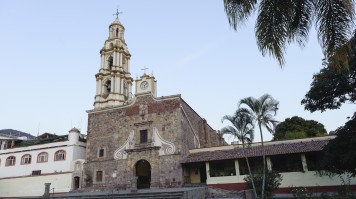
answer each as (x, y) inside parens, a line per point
(280, 22)
(262, 111)
(340, 153)
(297, 127)
(332, 87)
(243, 130)
(273, 181)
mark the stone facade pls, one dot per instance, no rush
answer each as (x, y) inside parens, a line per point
(173, 128)
(137, 141)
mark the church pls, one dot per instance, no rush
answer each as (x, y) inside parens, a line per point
(144, 141)
(137, 139)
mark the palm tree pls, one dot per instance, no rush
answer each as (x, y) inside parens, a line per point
(280, 22)
(262, 111)
(243, 130)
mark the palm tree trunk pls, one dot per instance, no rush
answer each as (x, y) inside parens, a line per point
(264, 164)
(249, 170)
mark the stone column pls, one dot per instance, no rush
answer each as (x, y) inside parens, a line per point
(304, 162)
(47, 189)
(269, 163)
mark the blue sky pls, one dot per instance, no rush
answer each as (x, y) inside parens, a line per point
(49, 54)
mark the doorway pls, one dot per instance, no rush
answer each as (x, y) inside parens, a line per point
(143, 173)
(76, 182)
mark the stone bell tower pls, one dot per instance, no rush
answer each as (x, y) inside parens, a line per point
(113, 81)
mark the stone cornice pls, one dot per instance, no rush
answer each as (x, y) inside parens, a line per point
(146, 148)
(143, 123)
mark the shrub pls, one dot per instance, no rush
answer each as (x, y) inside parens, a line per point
(300, 192)
(273, 180)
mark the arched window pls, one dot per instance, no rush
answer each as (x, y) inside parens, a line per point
(10, 161)
(42, 157)
(26, 159)
(60, 155)
(107, 86)
(117, 32)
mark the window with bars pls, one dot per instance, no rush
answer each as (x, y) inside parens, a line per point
(99, 176)
(36, 172)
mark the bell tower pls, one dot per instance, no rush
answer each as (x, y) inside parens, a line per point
(146, 84)
(113, 81)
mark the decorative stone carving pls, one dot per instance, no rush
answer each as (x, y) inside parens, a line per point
(143, 110)
(120, 153)
(167, 148)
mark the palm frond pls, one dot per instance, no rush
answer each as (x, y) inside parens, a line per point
(228, 130)
(334, 19)
(238, 11)
(272, 27)
(301, 21)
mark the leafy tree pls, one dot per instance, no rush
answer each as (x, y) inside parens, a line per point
(340, 153)
(297, 127)
(243, 130)
(280, 22)
(329, 90)
(273, 181)
(262, 111)
(332, 87)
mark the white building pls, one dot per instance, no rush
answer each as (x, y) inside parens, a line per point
(298, 161)
(27, 165)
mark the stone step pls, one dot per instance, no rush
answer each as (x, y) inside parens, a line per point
(154, 195)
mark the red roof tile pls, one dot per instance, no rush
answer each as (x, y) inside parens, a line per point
(271, 149)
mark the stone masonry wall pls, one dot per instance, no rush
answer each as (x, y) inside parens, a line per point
(207, 135)
(109, 130)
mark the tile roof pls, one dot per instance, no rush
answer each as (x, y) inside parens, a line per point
(271, 149)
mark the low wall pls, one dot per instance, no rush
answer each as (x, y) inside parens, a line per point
(34, 185)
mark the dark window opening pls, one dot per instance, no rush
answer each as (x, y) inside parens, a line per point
(256, 164)
(99, 176)
(143, 136)
(287, 163)
(117, 32)
(110, 62)
(222, 168)
(314, 160)
(107, 86)
(101, 153)
(36, 172)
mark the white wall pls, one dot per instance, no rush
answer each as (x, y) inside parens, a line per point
(73, 152)
(34, 185)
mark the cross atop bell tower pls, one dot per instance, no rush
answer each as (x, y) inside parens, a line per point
(113, 81)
